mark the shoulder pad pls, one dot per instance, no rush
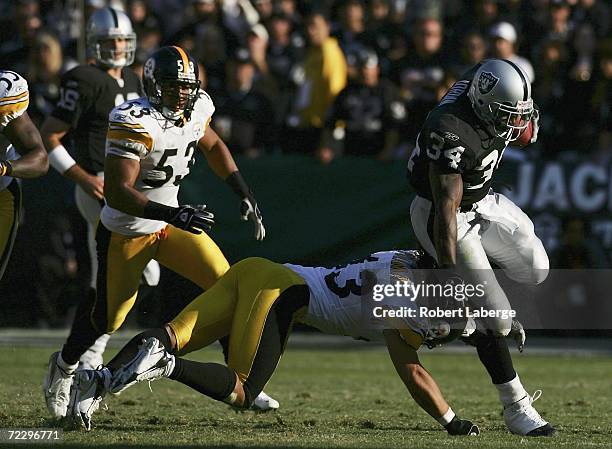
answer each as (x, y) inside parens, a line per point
(14, 96)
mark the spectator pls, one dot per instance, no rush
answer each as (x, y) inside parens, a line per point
(473, 50)
(285, 49)
(579, 132)
(577, 250)
(14, 52)
(146, 25)
(265, 9)
(560, 27)
(504, 46)
(601, 103)
(45, 66)
(419, 74)
(364, 118)
(324, 76)
(594, 12)
(244, 116)
(350, 34)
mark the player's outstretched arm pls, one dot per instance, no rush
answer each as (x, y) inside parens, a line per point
(121, 194)
(52, 131)
(223, 165)
(447, 191)
(26, 139)
(423, 387)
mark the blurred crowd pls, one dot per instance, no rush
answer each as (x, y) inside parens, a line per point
(347, 76)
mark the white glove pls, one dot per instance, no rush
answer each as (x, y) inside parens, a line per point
(250, 211)
(517, 332)
(535, 126)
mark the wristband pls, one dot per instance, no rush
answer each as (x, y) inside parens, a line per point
(158, 211)
(446, 418)
(60, 159)
(238, 185)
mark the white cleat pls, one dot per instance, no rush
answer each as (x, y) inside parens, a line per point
(523, 419)
(56, 388)
(152, 362)
(265, 403)
(87, 393)
(90, 360)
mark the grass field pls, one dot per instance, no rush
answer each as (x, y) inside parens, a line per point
(329, 398)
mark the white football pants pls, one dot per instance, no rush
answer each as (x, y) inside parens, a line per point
(497, 230)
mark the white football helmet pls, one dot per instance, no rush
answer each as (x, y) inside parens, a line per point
(501, 97)
(107, 24)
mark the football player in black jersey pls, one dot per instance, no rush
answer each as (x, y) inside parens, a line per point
(459, 220)
(87, 95)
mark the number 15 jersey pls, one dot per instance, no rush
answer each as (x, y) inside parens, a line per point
(136, 130)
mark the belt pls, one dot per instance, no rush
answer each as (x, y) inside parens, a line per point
(467, 207)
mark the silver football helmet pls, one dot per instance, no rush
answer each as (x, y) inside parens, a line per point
(501, 97)
(108, 24)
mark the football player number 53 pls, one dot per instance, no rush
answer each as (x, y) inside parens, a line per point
(168, 169)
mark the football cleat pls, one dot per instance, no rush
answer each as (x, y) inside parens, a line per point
(90, 360)
(87, 393)
(56, 388)
(265, 403)
(523, 419)
(152, 362)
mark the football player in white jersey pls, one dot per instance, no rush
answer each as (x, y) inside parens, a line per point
(150, 146)
(24, 158)
(256, 303)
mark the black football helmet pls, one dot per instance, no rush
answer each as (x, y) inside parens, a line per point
(171, 83)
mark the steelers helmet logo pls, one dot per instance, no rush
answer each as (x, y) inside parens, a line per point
(486, 82)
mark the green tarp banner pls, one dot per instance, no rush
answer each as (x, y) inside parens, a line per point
(313, 214)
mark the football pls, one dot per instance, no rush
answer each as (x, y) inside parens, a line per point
(525, 137)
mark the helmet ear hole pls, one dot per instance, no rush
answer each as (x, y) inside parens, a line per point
(480, 102)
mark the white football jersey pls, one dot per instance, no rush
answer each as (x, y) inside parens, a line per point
(14, 100)
(337, 305)
(165, 151)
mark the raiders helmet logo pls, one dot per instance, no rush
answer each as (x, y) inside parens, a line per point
(149, 68)
(486, 82)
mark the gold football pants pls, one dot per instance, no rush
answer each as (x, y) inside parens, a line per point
(122, 259)
(10, 210)
(239, 305)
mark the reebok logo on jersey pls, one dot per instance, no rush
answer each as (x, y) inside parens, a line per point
(486, 82)
(451, 136)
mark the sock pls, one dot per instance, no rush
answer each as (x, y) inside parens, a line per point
(66, 367)
(495, 356)
(129, 351)
(212, 379)
(100, 345)
(511, 392)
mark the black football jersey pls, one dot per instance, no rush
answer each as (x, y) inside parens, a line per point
(87, 95)
(456, 141)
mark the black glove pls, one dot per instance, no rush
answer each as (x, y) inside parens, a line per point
(462, 427)
(194, 219)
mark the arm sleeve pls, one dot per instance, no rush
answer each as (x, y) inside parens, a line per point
(14, 97)
(126, 136)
